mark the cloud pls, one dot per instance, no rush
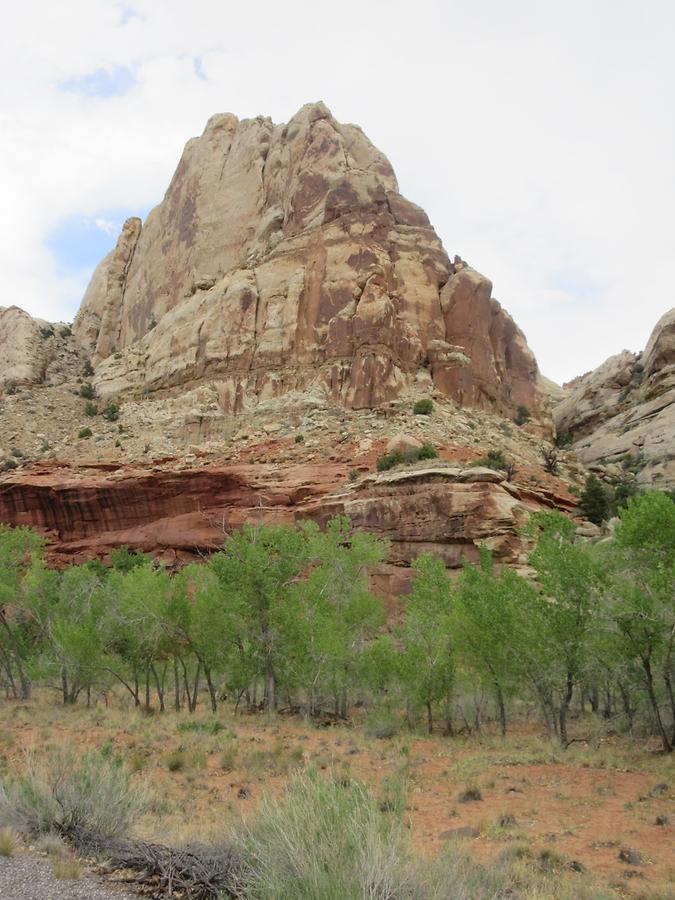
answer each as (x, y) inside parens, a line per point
(538, 136)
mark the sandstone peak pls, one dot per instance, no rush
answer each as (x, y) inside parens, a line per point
(284, 262)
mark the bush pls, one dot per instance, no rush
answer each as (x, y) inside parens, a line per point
(299, 438)
(66, 331)
(10, 389)
(111, 412)
(423, 407)
(522, 416)
(389, 460)
(494, 460)
(8, 841)
(88, 369)
(85, 433)
(323, 839)
(87, 391)
(593, 501)
(46, 332)
(9, 464)
(353, 474)
(66, 793)
(91, 409)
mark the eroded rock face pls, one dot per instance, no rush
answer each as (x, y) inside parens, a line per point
(284, 260)
(24, 353)
(624, 411)
(177, 514)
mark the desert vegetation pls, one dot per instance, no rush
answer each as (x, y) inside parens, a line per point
(280, 626)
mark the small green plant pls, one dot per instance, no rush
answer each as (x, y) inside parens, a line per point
(66, 331)
(522, 416)
(45, 446)
(9, 463)
(85, 433)
(389, 460)
(353, 474)
(494, 460)
(91, 409)
(111, 412)
(66, 869)
(87, 391)
(8, 841)
(175, 762)
(299, 438)
(228, 758)
(88, 369)
(10, 389)
(46, 332)
(423, 407)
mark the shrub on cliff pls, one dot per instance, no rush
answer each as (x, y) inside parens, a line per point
(87, 391)
(494, 460)
(396, 457)
(91, 409)
(423, 407)
(111, 412)
(85, 433)
(522, 416)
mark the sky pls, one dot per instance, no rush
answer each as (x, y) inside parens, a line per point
(539, 136)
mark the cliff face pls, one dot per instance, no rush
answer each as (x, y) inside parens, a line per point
(283, 260)
(624, 411)
(177, 514)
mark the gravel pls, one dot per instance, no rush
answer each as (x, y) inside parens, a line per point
(25, 877)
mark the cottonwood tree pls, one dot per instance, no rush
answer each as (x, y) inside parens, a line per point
(426, 665)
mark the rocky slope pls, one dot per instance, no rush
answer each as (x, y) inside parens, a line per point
(621, 416)
(265, 333)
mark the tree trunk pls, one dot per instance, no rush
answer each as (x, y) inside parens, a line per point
(176, 685)
(564, 707)
(212, 690)
(646, 665)
(430, 718)
(24, 681)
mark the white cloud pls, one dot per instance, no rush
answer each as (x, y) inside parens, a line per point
(107, 226)
(537, 134)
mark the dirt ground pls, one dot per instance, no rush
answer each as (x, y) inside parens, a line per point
(590, 803)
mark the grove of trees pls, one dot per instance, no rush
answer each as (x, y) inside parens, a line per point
(283, 618)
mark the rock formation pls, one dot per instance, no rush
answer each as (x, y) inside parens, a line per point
(284, 261)
(176, 514)
(623, 413)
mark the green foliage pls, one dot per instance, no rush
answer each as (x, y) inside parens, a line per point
(423, 407)
(66, 793)
(299, 438)
(85, 433)
(9, 463)
(88, 369)
(111, 412)
(87, 391)
(10, 389)
(91, 409)
(46, 332)
(494, 460)
(522, 416)
(593, 500)
(66, 331)
(396, 457)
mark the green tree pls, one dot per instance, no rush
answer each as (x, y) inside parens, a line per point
(257, 570)
(570, 577)
(483, 619)
(593, 500)
(20, 550)
(426, 663)
(641, 594)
